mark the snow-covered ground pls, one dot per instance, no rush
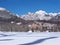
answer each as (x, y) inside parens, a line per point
(29, 38)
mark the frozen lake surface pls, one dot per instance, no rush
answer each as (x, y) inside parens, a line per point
(26, 38)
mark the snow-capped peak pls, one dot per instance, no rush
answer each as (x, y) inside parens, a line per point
(53, 14)
(39, 15)
(2, 9)
(41, 12)
(17, 15)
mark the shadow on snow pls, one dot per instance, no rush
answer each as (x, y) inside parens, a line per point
(38, 41)
(4, 35)
(6, 39)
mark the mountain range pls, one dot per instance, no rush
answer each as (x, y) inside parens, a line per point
(40, 15)
(13, 22)
(7, 16)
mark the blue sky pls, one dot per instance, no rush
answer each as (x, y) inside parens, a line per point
(24, 6)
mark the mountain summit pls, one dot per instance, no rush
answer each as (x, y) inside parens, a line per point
(7, 16)
(2, 9)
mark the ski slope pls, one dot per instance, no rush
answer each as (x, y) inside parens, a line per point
(29, 38)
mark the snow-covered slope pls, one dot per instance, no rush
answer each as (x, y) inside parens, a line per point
(7, 16)
(56, 18)
(4, 13)
(25, 38)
